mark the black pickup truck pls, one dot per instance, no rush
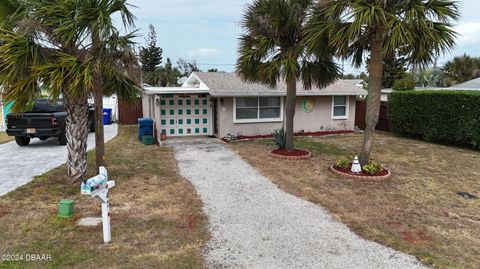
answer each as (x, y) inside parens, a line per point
(46, 120)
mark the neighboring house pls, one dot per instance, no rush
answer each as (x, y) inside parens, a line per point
(222, 105)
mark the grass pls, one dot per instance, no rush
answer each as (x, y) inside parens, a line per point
(4, 138)
(157, 220)
(417, 211)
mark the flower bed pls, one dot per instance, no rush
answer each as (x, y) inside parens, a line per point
(296, 154)
(382, 175)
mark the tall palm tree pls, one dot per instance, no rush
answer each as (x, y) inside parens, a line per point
(422, 28)
(272, 49)
(50, 42)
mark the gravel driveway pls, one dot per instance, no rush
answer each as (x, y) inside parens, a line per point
(19, 165)
(256, 225)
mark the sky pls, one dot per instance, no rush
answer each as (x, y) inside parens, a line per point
(208, 30)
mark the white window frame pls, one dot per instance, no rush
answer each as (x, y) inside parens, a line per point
(347, 108)
(257, 120)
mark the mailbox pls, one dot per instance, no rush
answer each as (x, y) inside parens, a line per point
(98, 187)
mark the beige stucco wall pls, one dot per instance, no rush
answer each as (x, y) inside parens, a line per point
(320, 119)
(145, 105)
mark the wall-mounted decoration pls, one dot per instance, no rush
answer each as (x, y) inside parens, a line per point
(308, 103)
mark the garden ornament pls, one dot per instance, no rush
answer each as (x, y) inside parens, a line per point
(356, 167)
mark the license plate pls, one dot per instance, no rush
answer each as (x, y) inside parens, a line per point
(31, 131)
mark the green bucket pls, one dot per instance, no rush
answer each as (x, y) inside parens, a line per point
(65, 208)
(148, 140)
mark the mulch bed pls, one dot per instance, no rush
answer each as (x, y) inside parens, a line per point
(296, 154)
(384, 174)
(304, 134)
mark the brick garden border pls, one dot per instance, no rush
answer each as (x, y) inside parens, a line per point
(366, 178)
(276, 156)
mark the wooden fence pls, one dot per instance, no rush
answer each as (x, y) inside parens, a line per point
(128, 113)
(361, 112)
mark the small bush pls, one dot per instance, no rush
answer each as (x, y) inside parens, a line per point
(344, 163)
(280, 138)
(406, 83)
(372, 168)
(443, 116)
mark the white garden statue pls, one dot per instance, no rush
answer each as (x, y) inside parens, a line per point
(356, 167)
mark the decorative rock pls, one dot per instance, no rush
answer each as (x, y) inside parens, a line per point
(89, 222)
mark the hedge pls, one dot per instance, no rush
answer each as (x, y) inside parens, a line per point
(443, 116)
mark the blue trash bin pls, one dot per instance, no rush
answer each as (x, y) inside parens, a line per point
(107, 116)
(145, 127)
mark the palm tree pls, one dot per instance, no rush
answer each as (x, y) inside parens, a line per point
(272, 49)
(461, 69)
(51, 43)
(422, 28)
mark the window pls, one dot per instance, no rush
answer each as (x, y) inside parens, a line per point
(258, 109)
(340, 107)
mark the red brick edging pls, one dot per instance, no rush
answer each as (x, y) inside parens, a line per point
(369, 178)
(276, 156)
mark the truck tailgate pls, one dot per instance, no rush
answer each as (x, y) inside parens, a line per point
(27, 120)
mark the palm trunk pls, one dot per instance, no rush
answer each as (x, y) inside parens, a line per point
(77, 134)
(99, 130)
(98, 100)
(374, 94)
(290, 112)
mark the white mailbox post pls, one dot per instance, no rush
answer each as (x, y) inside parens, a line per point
(98, 187)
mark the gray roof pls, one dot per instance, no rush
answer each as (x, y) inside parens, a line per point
(230, 84)
(473, 84)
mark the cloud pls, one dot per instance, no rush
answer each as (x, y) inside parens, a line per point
(203, 52)
(468, 33)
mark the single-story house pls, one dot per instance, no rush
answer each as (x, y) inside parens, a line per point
(223, 105)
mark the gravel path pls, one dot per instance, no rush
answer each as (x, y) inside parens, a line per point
(19, 165)
(256, 225)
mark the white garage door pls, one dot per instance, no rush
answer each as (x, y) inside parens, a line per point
(186, 115)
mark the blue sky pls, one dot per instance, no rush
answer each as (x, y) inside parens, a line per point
(208, 30)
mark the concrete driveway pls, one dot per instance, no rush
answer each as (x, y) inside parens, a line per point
(19, 165)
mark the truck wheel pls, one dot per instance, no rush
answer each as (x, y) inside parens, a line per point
(62, 139)
(22, 141)
(43, 138)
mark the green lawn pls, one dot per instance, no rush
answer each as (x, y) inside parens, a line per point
(157, 221)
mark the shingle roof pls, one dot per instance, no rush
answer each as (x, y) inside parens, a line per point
(230, 84)
(473, 84)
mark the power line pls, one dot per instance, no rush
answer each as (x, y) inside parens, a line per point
(215, 64)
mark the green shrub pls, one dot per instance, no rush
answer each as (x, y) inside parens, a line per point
(280, 138)
(372, 168)
(344, 163)
(406, 83)
(443, 116)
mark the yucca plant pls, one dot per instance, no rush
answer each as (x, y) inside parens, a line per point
(279, 138)
(72, 48)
